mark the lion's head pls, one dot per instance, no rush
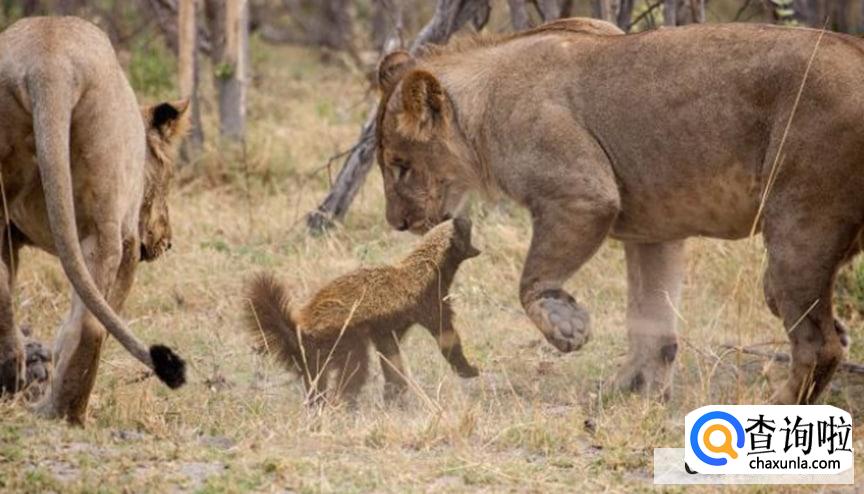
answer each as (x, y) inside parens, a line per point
(166, 124)
(421, 151)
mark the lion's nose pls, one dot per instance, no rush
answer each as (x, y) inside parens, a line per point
(402, 226)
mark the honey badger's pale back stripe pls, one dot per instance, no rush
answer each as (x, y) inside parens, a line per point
(377, 291)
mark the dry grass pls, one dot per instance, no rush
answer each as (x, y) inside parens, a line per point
(240, 424)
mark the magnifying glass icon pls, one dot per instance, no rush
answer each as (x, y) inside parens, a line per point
(725, 446)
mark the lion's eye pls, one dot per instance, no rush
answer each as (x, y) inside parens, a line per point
(402, 169)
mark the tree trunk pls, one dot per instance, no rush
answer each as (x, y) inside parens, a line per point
(229, 28)
(861, 18)
(68, 7)
(697, 11)
(670, 12)
(380, 23)
(625, 15)
(518, 15)
(32, 7)
(450, 15)
(549, 9)
(839, 16)
(603, 10)
(188, 71)
(165, 12)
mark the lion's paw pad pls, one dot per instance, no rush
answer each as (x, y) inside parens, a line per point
(564, 323)
(38, 363)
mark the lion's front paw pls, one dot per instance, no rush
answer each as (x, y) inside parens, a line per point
(12, 369)
(564, 323)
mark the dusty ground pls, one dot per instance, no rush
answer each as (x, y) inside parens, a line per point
(534, 421)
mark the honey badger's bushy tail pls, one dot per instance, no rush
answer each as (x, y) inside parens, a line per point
(268, 319)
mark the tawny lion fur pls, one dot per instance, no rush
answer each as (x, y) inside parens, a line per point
(649, 138)
(85, 176)
(376, 305)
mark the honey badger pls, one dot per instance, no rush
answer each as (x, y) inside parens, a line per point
(333, 329)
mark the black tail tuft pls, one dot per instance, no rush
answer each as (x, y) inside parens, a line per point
(169, 367)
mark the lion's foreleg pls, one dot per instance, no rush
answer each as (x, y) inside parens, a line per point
(566, 233)
(654, 278)
(79, 343)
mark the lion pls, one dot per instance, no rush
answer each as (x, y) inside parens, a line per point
(85, 177)
(375, 305)
(648, 138)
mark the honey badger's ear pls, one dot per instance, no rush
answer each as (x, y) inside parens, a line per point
(392, 68)
(423, 106)
(462, 228)
(170, 119)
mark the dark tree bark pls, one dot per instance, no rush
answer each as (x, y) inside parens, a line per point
(840, 16)
(518, 15)
(165, 12)
(229, 28)
(32, 7)
(603, 10)
(188, 71)
(549, 9)
(625, 14)
(449, 16)
(68, 7)
(670, 12)
(328, 22)
(697, 11)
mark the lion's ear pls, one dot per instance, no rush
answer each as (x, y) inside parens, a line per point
(170, 119)
(392, 68)
(423, 106)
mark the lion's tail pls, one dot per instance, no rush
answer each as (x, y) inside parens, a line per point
(54, 98)
(268, 319)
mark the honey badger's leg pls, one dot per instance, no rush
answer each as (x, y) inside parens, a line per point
(315, 374)
(387, 345)
(12, 356)
(440, 325)
(352, 373)
(79, 344)
(573, 207)
(803, 257)
(654, 277)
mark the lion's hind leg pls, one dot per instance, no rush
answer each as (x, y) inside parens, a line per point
(12, 356)
(79, 344)
(803, 259)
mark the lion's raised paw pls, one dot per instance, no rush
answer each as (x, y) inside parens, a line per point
(564, 323)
